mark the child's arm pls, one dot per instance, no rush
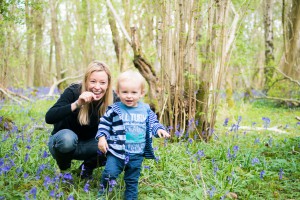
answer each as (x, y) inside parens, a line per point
(163, 133)
(104, 129)
(102, 144)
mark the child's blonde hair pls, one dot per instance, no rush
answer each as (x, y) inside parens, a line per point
(130, 75)
(107, 99)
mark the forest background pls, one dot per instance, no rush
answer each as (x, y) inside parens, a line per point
(191, 53)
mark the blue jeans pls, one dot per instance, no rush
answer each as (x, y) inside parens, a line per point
(114, 167)
(65, 146)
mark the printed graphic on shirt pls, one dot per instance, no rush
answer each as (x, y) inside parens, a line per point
(135, 127)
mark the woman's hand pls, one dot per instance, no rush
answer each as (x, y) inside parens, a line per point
(102, 144)
(86, 97)
(163, 133)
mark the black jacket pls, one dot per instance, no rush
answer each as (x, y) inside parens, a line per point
(61, 115)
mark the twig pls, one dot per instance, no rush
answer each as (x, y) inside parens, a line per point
(162, 111)
(204, 186)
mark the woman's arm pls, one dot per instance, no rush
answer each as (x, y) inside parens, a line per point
(64, 106)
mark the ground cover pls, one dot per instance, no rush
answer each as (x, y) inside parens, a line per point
(254, 154)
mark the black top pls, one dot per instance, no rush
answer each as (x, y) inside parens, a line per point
(61, 115)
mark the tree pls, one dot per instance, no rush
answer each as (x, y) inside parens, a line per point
(269, 45)
(292, 48)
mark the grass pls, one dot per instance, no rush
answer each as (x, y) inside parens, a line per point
(249, 163)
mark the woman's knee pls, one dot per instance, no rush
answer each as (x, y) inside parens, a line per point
(65, 141)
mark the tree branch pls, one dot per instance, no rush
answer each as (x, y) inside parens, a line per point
(119, 21)
(11, 95)
(56, 83)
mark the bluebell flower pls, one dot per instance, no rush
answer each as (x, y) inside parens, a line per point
(216, 169)
(47, 181)
(112, 183)
(52, 193)
(33, 191)
(229, 153)
(262, 173)
(254, 161)
(266, 122)
(198, 177)
(239, 119)
(211, 191)
(86, 187)
(233, 127)
(235, 148)
(1, 162)
(70, 197)
(177, 133)
(256, 140)
(226, 122)
(280, 173)
(201, 153)
(190, 140)
(59, 194)
(45, 154)
(26, 175)
(298, 124)
(147, 167)
(157, 158)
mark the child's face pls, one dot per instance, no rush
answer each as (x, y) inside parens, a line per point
(130, 92)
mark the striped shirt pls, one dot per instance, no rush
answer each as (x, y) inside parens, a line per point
(111, 126)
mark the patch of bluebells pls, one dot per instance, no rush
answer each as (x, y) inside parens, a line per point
(266, 122)
(211, 191)
(230, 155)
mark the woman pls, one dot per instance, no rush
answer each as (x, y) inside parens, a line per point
(76, 116)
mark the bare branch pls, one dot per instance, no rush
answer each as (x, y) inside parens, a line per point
(119, 21)
(11, 94)
(286, 76)
(55, 84)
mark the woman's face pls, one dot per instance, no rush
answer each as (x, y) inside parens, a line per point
(97, 83)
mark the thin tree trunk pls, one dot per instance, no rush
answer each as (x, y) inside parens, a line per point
(57, 42)
(269, 45)
(292, 62)
(29, 66)
(38, 56)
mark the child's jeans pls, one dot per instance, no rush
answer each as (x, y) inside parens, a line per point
(114, 167)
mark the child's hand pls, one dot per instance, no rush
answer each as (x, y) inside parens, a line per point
(163, 133)
(102, 144)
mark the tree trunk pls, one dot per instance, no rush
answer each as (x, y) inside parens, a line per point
(38, 53)
(29, 28)
(57, 42)
(269, 45)
(292, 54)
(115, 37)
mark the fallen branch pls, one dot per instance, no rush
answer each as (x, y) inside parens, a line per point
(55, 84)
(11, 94)
(280, 99)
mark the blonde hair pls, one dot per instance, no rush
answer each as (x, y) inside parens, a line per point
(107, 99)
(130, 75)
